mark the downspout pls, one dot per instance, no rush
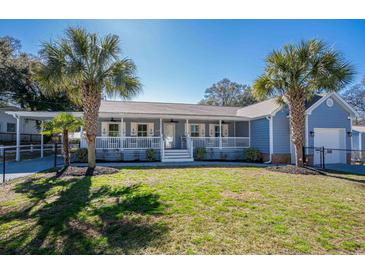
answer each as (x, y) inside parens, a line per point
(270, 139)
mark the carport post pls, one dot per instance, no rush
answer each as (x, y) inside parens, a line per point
(17, 157)
(42, 141)
(323, 160)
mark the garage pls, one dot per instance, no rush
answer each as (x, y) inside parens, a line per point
(331, 139)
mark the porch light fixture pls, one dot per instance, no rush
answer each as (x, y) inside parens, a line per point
(311, 133)
(349, 134)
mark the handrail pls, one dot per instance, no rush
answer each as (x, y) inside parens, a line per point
(217, 142)
(125, 142)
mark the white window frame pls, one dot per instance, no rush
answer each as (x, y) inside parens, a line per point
(197, 127)
(114, 131)
(142, 124)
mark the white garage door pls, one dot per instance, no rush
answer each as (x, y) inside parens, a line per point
(330, 138)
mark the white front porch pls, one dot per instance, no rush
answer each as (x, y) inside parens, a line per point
(156, 142)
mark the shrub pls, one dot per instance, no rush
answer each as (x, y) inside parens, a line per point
(151, 155)
(81, 155)
(200, 153)
(253, 155)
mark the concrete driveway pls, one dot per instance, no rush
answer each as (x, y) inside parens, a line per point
(353, 169)
(24, 168)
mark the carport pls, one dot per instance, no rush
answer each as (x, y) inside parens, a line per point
(35, 115)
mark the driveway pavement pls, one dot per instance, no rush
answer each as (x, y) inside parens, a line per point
(353, 169)
(24, 168)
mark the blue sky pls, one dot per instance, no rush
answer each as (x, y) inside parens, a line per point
(178, 59)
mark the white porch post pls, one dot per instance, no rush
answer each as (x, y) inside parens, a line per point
(42, 140)
(187, 128)
(220, 134)
(17, 157)
(122, 133)
(161, 134)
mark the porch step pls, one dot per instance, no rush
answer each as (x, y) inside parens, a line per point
(177, 155)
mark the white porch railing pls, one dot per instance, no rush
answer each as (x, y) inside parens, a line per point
(124, 142)
(214, 142)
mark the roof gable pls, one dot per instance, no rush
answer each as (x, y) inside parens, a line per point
(343, 104)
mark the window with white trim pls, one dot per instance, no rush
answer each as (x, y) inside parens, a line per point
(194, 130)
(142, 130)
(114, 130)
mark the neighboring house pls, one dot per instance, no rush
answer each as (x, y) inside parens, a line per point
(127, 129)
(28, 128)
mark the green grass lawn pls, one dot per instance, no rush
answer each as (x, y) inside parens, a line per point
(184, 211)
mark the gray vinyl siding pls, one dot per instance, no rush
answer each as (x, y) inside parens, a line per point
(281, 132)
(329, 117)
(260, 138)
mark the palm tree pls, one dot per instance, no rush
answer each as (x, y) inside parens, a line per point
(85, 65)
(63, 124)
(296, 73)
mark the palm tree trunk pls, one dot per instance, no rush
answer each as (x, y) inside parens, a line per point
(91, 106)
(66, 152)
(297, 126)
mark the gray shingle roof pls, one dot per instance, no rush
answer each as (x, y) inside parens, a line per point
(133, 107)
(260, 109)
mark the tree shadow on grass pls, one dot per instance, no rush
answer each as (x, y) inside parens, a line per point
(68, 216)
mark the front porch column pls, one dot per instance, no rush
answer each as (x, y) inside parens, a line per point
(122, 133)
(161, 134)
(42, 140)
(220, 134)
(187, 128)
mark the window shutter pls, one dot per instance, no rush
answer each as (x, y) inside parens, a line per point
(104, 129)
(150, 129)
(201, 130)
(134, 129)
(225, 130)
(211, 130)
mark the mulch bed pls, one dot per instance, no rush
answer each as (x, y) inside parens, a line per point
(85, 171)
(293, 170)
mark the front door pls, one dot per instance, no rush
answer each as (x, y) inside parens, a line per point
(169, 134)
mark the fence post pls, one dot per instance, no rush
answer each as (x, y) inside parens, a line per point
(4, 159)
(303, 155)
(55, 155)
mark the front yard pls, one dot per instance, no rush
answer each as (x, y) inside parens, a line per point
(206, 210)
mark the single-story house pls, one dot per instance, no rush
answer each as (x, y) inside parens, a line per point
(127, 129)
